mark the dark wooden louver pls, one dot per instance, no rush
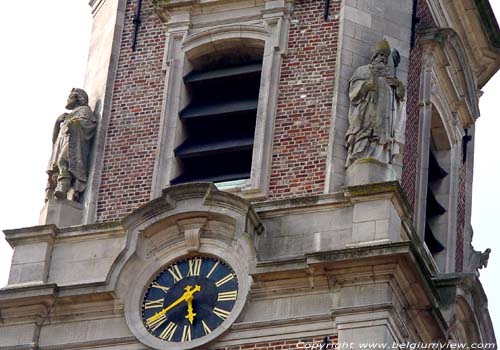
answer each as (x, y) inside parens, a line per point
(219, 123)
(434, 208)
(435, 171)
(432, 243)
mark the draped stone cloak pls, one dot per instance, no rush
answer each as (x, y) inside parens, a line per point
(76, 131)
(369, 132)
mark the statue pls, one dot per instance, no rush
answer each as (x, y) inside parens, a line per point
(376, 116)
(71, 141)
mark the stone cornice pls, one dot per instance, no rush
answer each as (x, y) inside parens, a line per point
(51, 233)
(489, 22)
(328, 201)
(96, 5)
(397, 264)
(206, 194)
(476, 25)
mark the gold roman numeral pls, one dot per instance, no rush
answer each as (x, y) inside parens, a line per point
(212, 269)
(175, 272)
(151, 304)
(225, 296)
(221, 313)
(153, 324)
(168, 332)
(194, 267)
(155, 284)
(186, 333)
(206, 328)
(224, 280)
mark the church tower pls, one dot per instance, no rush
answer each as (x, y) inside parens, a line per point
(264, 174)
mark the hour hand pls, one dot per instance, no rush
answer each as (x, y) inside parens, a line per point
(190, 315)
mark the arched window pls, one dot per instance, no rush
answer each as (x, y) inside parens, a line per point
(221, 95)
(218, 115)
(448, 106)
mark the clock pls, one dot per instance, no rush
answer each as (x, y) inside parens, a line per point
(189, 299)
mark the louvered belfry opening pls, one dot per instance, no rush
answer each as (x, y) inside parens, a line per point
(434, 208)
(219, 121)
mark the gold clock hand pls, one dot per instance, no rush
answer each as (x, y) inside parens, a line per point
(188, 295)
(164, 311)
(190, 315)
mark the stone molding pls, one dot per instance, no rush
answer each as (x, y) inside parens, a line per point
(452, 70)
(448, 86)
(410, 303)
(53, 234)
(469, 22)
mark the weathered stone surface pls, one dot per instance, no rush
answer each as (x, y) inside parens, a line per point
(71, 141)
(369, 171)
(62, 213)
(376, 116)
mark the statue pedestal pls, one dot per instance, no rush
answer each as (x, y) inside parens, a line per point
(62, 213)
(368, 171)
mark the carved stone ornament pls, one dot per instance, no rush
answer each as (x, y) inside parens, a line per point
(478, 260)
(376, 115)
(71, 140)
(192, 232)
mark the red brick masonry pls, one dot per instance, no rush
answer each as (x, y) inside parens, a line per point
(303, 112)
(410, 156)
(286, 344)
(134, 124)
(303, 115)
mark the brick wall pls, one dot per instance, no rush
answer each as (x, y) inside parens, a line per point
(461, 215)
(303, 112)
(410, 155)
(130, 147)
(286, 344)
(304, 104)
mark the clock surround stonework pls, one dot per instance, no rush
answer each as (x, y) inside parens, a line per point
(226, 227)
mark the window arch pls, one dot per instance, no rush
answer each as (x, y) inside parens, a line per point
(190, 53)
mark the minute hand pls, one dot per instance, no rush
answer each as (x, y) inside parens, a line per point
(188, 295)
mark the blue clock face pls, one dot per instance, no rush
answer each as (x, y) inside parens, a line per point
(189, 299)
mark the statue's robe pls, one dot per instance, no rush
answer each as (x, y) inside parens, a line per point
(369, 134)
(76, 133)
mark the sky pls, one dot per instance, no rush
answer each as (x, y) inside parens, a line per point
(44, 50)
